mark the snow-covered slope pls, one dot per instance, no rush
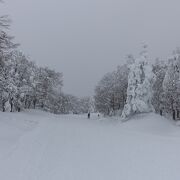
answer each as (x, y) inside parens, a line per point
(151, 124)
(40, 146)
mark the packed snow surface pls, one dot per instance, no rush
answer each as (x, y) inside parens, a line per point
(36, 145)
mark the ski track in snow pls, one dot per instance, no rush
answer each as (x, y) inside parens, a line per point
(41, 146)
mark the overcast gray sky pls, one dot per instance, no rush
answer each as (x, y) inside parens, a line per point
(84, 39)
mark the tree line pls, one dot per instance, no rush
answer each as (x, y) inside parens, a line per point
(135, 87)
(141, 85)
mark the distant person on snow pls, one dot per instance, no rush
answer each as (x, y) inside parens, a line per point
(88, 115)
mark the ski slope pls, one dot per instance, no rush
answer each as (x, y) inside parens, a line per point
(36, 145)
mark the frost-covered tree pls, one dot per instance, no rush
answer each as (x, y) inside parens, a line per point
(111, 91)
(22, 83)
(6, 42)
(84, 104)
(72, 104)
(20, 79)
(120, 85)
(6, 45)
(47, 83)
(159, 69)
(140, 86)
(171, 85)
(104, 94)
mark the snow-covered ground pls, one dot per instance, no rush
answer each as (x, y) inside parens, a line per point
(41, 146)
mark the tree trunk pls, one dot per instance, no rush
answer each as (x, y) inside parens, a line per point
(3, 106)
(11, 107)
(25, 103)
(177, 113)
(19, 109)
(29, 104)
(174, 115)
(34, 103)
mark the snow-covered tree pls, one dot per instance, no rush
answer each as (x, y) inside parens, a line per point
(22, 83)
(140, 86)
(20, 78)
(104, 94)
(120, 85)
(171, 85)
(47, 83)
(6, 45)
(111, 91)
(159, 69)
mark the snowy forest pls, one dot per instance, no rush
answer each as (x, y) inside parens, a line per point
(140, 85)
